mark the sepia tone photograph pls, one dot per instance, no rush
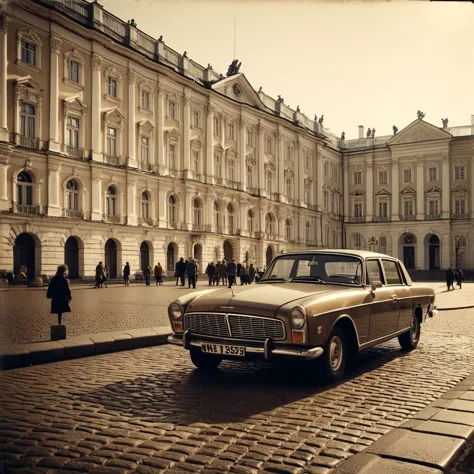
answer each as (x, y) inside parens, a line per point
(276, 202)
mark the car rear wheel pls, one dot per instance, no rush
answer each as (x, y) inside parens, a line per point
(204, 361)
(409, 340)
(332, 363)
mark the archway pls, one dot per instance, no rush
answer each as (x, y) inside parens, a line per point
(433, 252)
(71, 257)
(171, 254)
(111, 257)
(144, 255)
(197, 255)
(409, 254)
(269, 255)
(228, 251)
(24, 254)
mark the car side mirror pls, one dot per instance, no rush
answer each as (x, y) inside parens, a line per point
(375, 284)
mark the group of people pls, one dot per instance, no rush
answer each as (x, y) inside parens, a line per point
(228, 273)
(452, 275)
(188, 267)
(148, 272)
(101, 275)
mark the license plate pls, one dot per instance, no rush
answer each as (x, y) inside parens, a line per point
(223, 349)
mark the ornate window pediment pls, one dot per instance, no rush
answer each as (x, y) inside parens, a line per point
(74, 105)
(29, 90)
(29, 47)
(145, 127)
(115, 117)
(289, 173)
(407, 190)
(218, 148)
(358, 192)
(196, 144)
(250, 160)
(74, 69)
(433, 190)
(231, 152)
(460, 190)
(308, 181)
(269, 166)
(383, 192)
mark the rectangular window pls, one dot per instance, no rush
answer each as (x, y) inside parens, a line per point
(433, 207)
(459, 173)
(111, 141)
(383, 178)
(460, 206)
(217, 126)
(408, 208)
(28, 53)
(73, 71)
(250, 138)
(358, 209)
(326, 201)
(218, 171)
(145, 149)
(269, 145)
(111, 87)
(27, 120)
(171, 157)
(391, 272)
(333, 203)
(171, 109)
(269, 182)
(145, 100)
(358, 177)
(72, 132)
(288, 153)
(231, 176)
(196, 161)
(249, 177)
(196, 119)
(433, 174)
(383, 209)
(231, 131)
(407, 176)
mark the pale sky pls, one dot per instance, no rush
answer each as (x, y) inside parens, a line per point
(358, 63)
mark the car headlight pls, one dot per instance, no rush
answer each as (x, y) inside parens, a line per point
(175, 311)
(297, 318)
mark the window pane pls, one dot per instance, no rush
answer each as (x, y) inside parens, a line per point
(391, 272)
(29, 195)
(374, 272)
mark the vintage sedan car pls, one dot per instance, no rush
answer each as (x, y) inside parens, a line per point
(321, 305)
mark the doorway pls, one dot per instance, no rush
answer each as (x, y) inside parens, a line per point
(71, 257)
(24, 254)
(228, 251)
(269, 256)
(433, 245)
(111, 257)
(144, 255)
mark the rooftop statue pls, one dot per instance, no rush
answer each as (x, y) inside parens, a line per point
(298, 108)
(280, 99)
(321, 119)
(369, 132)
(395, 129)
(260, 89)
(373, 132)
(445, 122)
(420, 115)
(233, 68)
(343, 135)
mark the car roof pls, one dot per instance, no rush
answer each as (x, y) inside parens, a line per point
(358, 253)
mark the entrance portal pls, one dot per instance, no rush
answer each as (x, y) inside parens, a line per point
(269, 255)
(111, 257)
(170, 257)
(71, 257)
(24, 254)
(144, 256)
(409, 243)
(433, 244)
(228, 251)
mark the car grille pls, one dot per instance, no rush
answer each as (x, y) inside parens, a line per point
(242, 327)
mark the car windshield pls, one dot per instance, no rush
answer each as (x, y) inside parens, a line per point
(320, 268)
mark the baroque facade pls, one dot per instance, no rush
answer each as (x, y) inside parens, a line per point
(114, 147)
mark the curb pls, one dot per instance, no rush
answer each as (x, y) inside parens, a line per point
(428, 443)
(454, 308)
(34, 353)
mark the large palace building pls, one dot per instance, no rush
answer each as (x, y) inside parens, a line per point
(115, 147)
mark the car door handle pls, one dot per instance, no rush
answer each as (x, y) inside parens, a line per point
(394, 298)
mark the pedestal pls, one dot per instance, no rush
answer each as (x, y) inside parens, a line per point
(58, 332)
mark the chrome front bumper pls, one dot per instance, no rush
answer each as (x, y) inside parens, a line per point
(267, 351)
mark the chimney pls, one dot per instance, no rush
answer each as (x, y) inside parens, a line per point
(361, 131)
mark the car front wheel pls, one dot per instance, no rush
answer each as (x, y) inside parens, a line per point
(409, 340)
(204, 361)
(332, 363)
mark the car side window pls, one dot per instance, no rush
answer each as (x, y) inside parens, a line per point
(374, 272)
(391, 272)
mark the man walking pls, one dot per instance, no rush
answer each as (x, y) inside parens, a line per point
(232, 272)
(59, 292)
(223, 272)
(210, 271)
(126, 274)
(191, 270)
(147, 273)
(459, 277)
(450, 279)
(180, 271)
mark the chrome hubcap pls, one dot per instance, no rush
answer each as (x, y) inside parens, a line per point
(414, 328)
(335, 353)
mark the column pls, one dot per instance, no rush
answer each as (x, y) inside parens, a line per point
(132, 161)
(4, 165)
(131, 201)
(281, 167)
(395, 190)
(160, 130)
(55, 45)
(261, 160)
(186, 140)
(162, 203)
(96, 108)
(347, 211)
(96, 200)
(300, 158)
(445, 180)
(319, 177)
(54, 208)
(244, 206)
(369, 203)
(420, 191)
(4, 20)
(242, 156)
(188, 211)
(209, 146)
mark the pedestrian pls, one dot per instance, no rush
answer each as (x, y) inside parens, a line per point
(99, 275)
(180, 271)
(147, 274)
(191, 270)
(156, 272)
(450, 279)
(197, 269)
(22, 273)
(223, 272)
(11, 280)
(243, 276)
(252, 273)
(59, 292)
(105, 276)
(239, 267)
(232, 272)
(215, 280)
(210, 272)
(459, 278)
(126, 274)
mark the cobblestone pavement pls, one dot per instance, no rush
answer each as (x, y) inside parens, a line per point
(149, 411)
(25, 317)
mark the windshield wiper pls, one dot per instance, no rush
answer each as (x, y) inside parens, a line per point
(308, 278)
(273, 280)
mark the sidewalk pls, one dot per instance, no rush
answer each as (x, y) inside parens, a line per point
(452, 299)
(429, 443)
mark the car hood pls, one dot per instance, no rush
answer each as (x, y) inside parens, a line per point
(262, 299)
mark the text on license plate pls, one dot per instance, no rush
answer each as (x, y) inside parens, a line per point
(223, 349)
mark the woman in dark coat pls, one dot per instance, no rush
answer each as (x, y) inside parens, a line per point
(59, 292)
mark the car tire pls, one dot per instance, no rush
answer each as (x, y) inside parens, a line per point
(332, 363)
(204, 361)
(410, 339)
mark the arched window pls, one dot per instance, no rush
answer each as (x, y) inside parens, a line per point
(72, 195)
(231, 218)
(288, 229)
(217, 216)
(269, 225)
(357, 240)
(308, 232)
(24, 189)
(111, 201)
(250, 223)
(172, 210)
(197, 212)
(145, 205)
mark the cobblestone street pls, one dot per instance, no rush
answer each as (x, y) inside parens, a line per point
(148, 409)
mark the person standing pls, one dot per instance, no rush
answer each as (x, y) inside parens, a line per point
(459, 277)
(232, 272)
(180, 271)
(210, 272)
(191, 270)
(197, 269)
(223, 272)
(160, 274)
(243, 275)
(156, 272)
(59, 292)
(147, 274)
(252, 273)
(126, 274)
(99, 275)
(215, 280)
(450, 279)
(11, 280)
(239, 267)
(105, 273)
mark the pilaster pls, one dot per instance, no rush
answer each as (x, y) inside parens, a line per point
(54, 208)
(131, 200)
(96, 205)
(4, 165)
(420, 188)
(209, 146)
(186, 140)
(4, 134)
(132, 129)
(96, 108)
(261, 160)
(55, 46)
(395, 190)
(445, 182)
(242, 157)
(319, 178)
(281, 166)
(345, 167)
(160, 130)
(370, 190)
(300, 159)
(162, 203)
